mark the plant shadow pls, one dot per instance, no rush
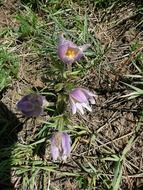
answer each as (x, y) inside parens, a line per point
(10, 126)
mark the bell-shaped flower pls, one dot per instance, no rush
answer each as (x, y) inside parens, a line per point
(69, 52)
(60, 146)
(80, 98)
(32, 105)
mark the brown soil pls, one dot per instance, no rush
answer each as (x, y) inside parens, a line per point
(7, 11)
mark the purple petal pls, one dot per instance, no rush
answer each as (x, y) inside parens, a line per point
(55, 144)
(84, 47)
(37, 99)
(66, 43)
(78, 57)
(30, 110)
(61, 37)
(31, 105)
(72, 105)
(88, 93)
(62, 49)
(26, 106)
(80, 98)
(78, 95)
(87, 106)
(54, 152)
(66, 144)
(92, 100)
(60, 145)
(80, 108)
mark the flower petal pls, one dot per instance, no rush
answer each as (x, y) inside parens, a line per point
(72, 105)
(78, 56)
(56, 145)
(84, 47)
(92, 100)
(31, 105)
(28, 109)
(79, 107)
(25, 106)
(54, 152)
(60, 146)
(45, 102)
(87, 106)
(79, 95)
(88, 93)
(66, 145)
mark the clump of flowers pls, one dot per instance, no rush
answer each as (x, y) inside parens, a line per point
(80, 98)
(32, 105)
(60, 146)
(69, 52)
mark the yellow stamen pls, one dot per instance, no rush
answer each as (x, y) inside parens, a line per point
(71, 53)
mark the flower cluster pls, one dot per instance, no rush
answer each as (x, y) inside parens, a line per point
(32, 105)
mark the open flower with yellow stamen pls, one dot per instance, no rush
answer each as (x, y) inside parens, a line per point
(69, 52)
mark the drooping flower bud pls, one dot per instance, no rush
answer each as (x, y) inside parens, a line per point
(80, 98)
(32, 105)
(60, 146)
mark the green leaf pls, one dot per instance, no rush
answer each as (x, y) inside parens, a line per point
(58, 87)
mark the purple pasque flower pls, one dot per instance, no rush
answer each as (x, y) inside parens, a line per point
(80, 98)
(69, 52)
(32, 105)
(60, 146)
